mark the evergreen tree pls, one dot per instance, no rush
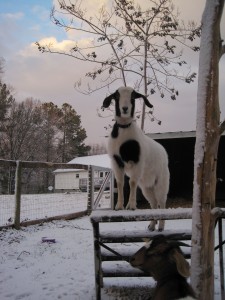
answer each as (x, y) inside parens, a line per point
(73, 135)
(6, 100)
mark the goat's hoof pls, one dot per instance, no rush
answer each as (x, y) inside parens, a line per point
(119, 208)
(160, 229)
(130, 207)
(150, 228)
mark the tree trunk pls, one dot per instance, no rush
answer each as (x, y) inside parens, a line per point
(206, 148)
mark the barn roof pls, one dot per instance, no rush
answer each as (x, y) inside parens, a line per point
(69, 170)
(173, 135)
(101, 161)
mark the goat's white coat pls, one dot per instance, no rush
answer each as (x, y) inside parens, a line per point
(151, 172)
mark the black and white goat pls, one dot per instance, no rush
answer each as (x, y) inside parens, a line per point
(163, 259)
(133, 153)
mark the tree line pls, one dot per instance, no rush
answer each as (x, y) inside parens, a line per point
(31, 130)
(35, 131)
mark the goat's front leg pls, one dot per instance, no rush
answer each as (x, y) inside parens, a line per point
(150, 196)
(132, 198)
(120, 200)
(120, 184)
(161, 222)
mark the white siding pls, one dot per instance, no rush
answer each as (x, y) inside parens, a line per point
(66, 179)
(69, 180)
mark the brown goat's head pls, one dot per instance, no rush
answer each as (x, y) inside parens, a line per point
(161, 257)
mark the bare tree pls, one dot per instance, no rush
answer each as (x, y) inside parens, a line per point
(156, 34)
(208, 131)
(97, 149)
(20, 134)
(129, 43)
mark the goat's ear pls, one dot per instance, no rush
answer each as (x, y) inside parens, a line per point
(136, 95)
(183, 266)
(177, 243)
(146, 240)
(107, 101)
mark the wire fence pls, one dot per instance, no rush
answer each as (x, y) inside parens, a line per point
(46, 206)
(27, 193)
(39, 191)
(41, 206)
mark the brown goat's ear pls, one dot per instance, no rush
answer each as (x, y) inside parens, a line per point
(177, 243)
(183, 266)
(138, 95)
(107, 101)
(146, 240)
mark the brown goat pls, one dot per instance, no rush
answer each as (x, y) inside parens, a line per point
(163, 259)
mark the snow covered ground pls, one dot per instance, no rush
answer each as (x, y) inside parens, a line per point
(32, 270)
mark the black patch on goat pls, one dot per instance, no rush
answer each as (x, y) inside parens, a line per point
(117, 100)
(115, 131)
(107, 101)
(118, 112)
(119, 161)
(130, 151)
(133, 104)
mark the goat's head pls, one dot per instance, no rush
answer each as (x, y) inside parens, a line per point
(125, 102)
(161, 257)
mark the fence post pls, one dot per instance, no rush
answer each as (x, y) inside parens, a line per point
(90, 189)
(17, 194)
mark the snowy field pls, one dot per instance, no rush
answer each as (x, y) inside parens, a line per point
(32, 270)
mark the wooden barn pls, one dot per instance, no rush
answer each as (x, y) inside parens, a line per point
(180, 148)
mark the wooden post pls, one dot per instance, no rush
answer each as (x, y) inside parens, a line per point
(206, 148)
(17, 194)
(97, 259)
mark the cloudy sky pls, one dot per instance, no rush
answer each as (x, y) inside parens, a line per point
(49, 77)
